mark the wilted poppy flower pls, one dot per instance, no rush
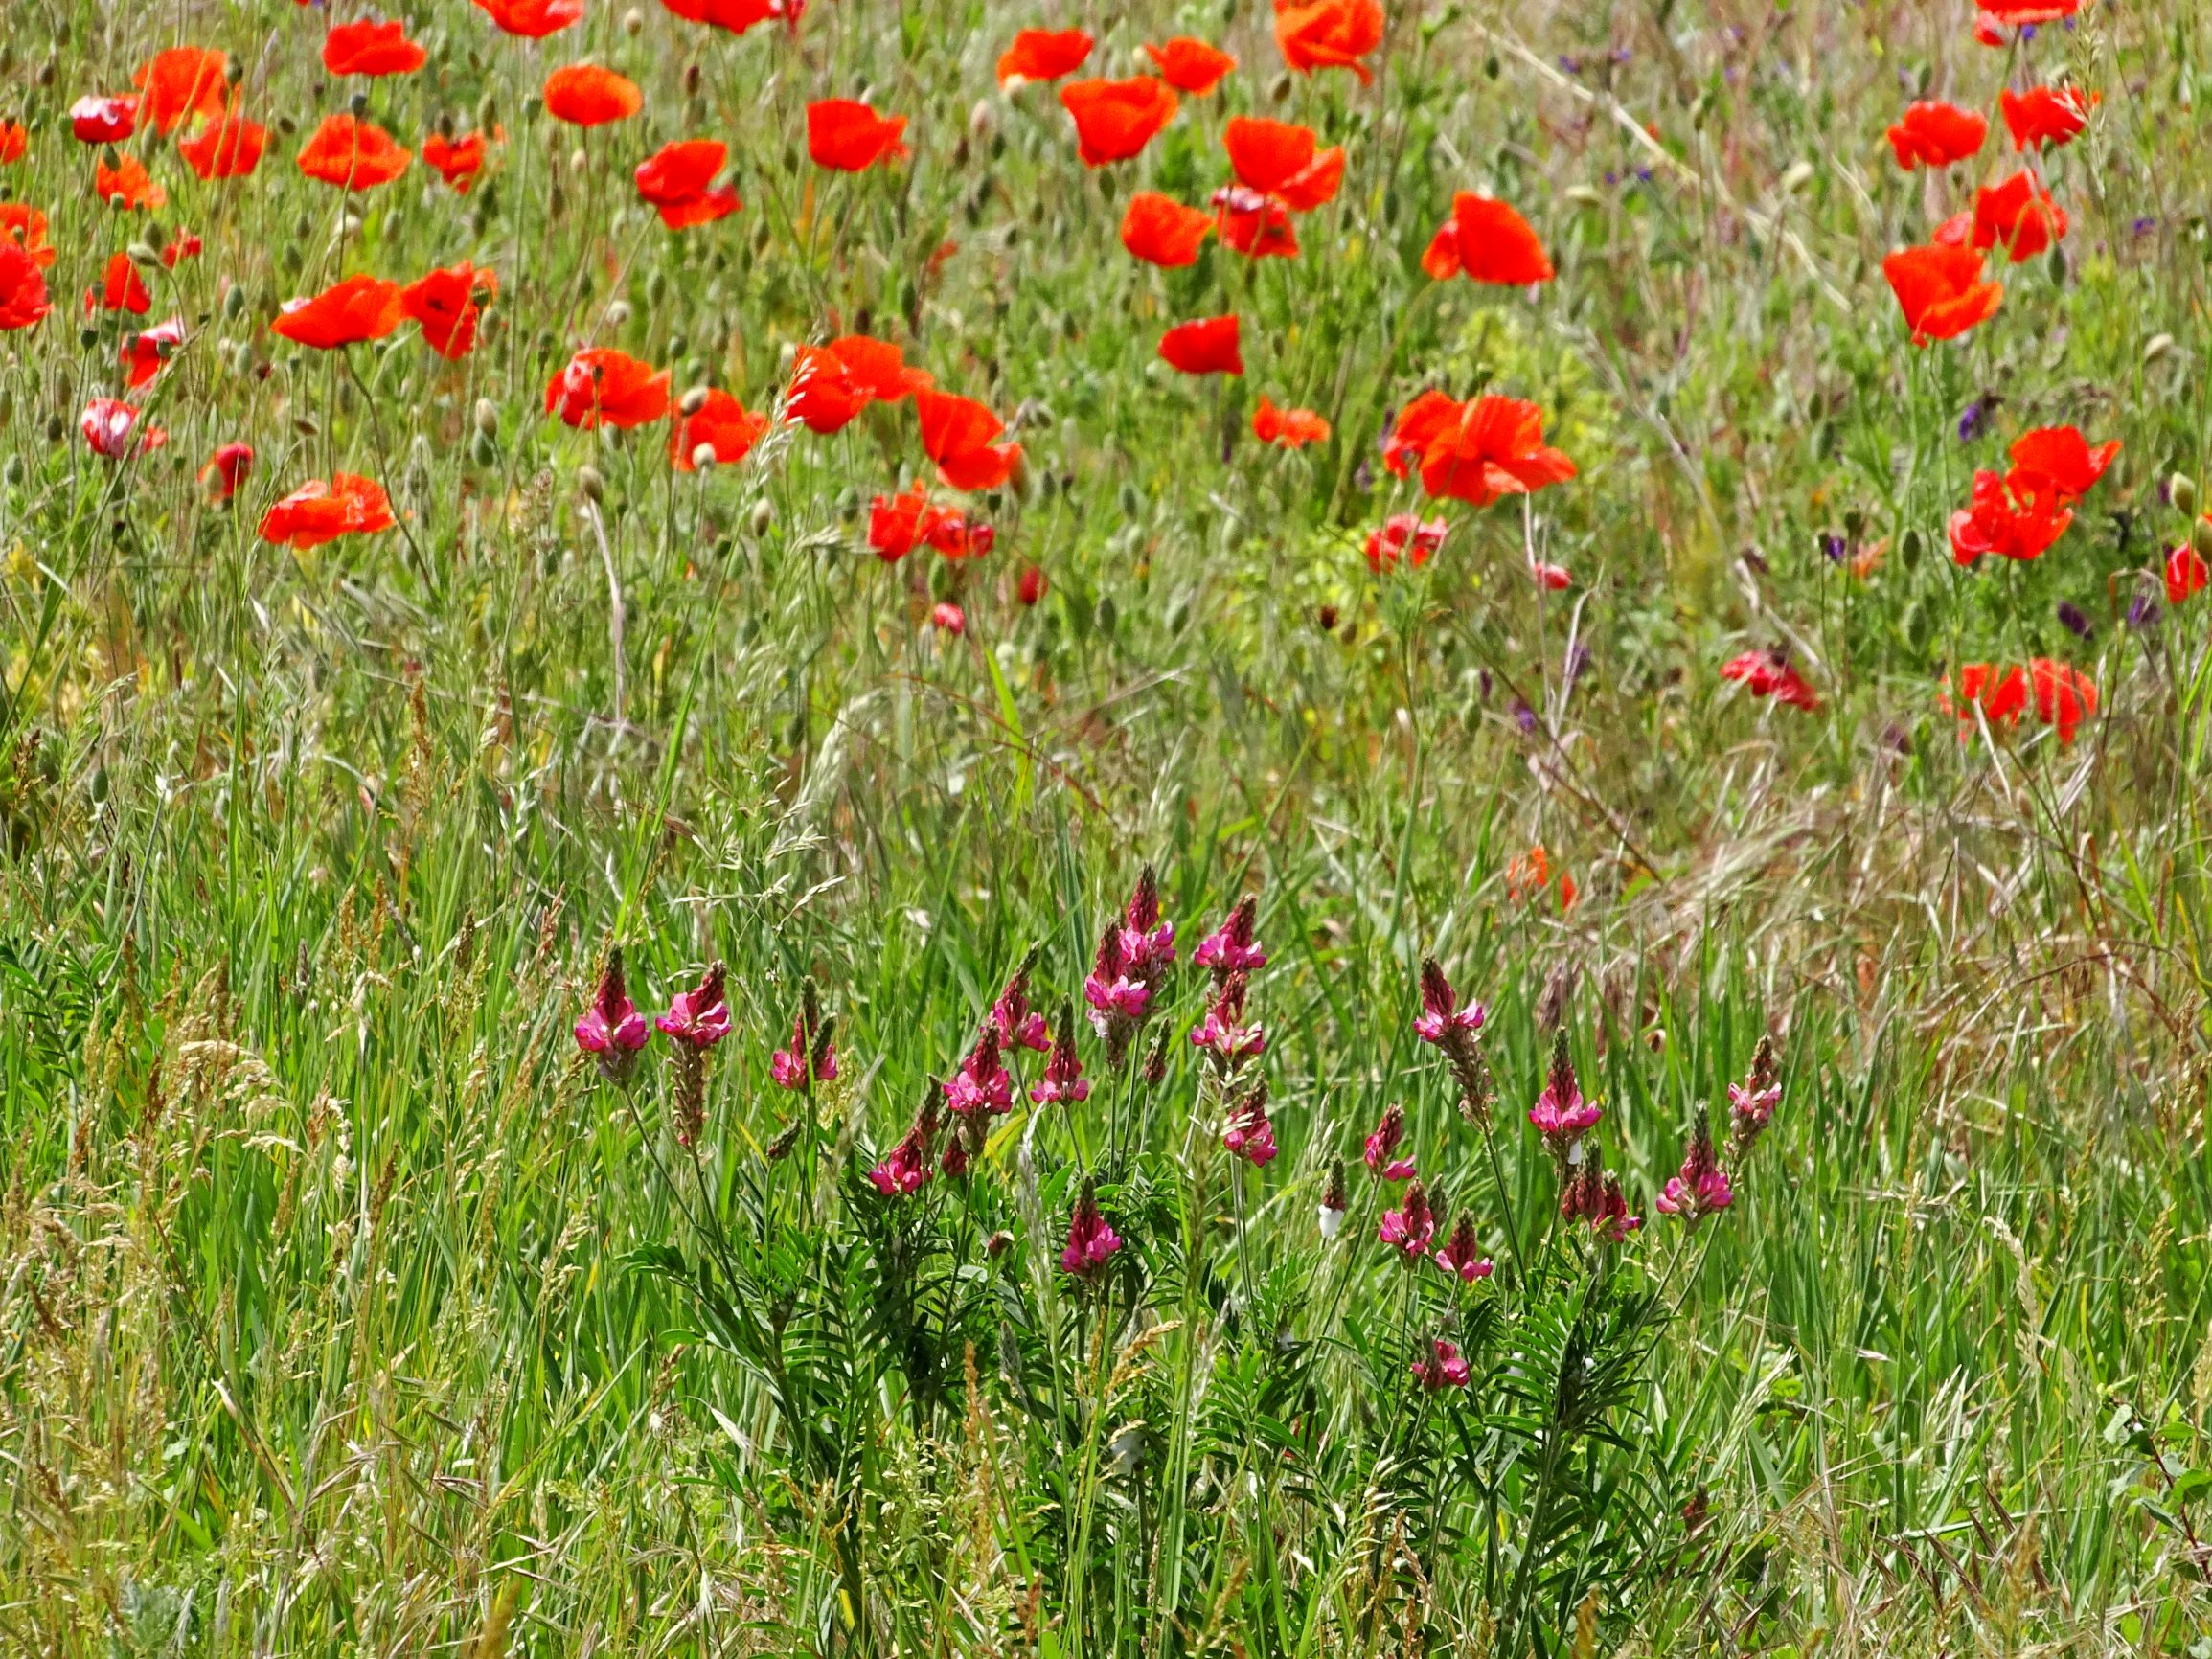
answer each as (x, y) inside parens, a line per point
(1206, 346)
(1161, 231)
(98, 120)
(2065, 697)
(1289, 428)
(1487, 241)
(361, 307)
(353, 154)
(601, 386)
(2056, 464)
(145, 352)
(2045, 117)
(1190, 65)
(1940, 290)
(532, 19)
(1283, 160)
(2005, 520)
(1115, 120)
(228, 146)
(847, 136)
(955, 535)
(318, 512)
(1767, 673)
(110, 427)
(721, 425)
(588, 95)
(25, 227)
(119, 289)
(2002, 695)
(1042, 54)
(958, 433)
(446, 304)
(678, 181)
(126, 184)
(2185, 574)
(23, 300)
(1255, 225)
(226, 469)
(183, 80)
(371, 48)
(1404, 534)
(14, 140)
(1328, 34)
(458, 160)
(2017, 216)
(1475, 452)
(1932, 134)
(949, 618)
(831, 384)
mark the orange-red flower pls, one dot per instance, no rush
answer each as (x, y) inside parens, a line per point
(588, 95)
(1115, 120)
(1940, 290)
(1283, 160)
(119, 289)
(1486, 240)
(361, 307)
(1160, 231)
(679, 180)
(1933, 134)
(1767, 673)
(958, 433)
(2185, 574)
(2006, 520)
(318, 512)
(228, 146)
(831, 384)
(2056, 464)
(447, 304)
(353, 154)
(14, 140)
(533, 19)
(2010, 13)
(144, 353)
(736, 15)
(601, 386)
(847, 136)
(1205, 346)
(226, 469)
(1190, 65)
(371, 48)
(2000, 693)
(22, 288)
(2045, 117)
(1287, 428)
(1404, 535)
(183, 80)
(126, 184)
(25, 226)
(458, 160)
(898, 524)
(1475, 451)
(1042, 54)
(1328, 33)
(1253, 224)
(721, 425)
(2065, 695)
(98, 120)
(2017, 216)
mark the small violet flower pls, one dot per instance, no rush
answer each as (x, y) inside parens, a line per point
(1439, 1022)
(700, 1017)
(1223, 1032)
(1019, 1025)
(1751, 1102)
(1063, 1080)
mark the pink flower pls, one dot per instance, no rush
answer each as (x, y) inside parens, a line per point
(1018, 1025)
(982, 1083)
(904, 1171)
(110, 426)
(1232, 948)
(699, 1018)
(1148, 943)
(812, 1056)
(1063, 1080)
(1751, 1102)
(1111, 990)
(1552, 576)
(1462, 1253)
(611, 1030)
(1223, 1032)
(1561, 1114)
(1384, 1140)
(1090, 1237)
(1250, 1136)
(1702, 1187)
(1402, 533)
(1133, 956)
(1410, 1229)
(1438, 1020)
(1442, 1369)
(954, 1163)
(1594, 1197)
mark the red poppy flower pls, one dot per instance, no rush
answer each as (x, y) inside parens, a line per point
(361, 307)
(1287, 428)
(229, 147)
(98, 120)
(2010, 13)
(1940, 290)
(2000, 693)
(1767, 673)
(1932, 134)
(145, 352)
(226, 469)
(957, 433)
(353, 154)
(319, 512)
(1042, 54)
(185, 247)
(14, 140)
(119, 289)
(25, 227)
(458, 160)
(2045, 117)
(1160, 231)
(2019, 216)
(736, 15)
(1115, 120)
(2004, 520)
(602, 386)
(1190, 65)
(895, 524)
(2185, 574)
(1488, 241)
(721, 425)
(371, 48)
(533, 19)
(949, 618)
(2065, 695)
(1551, 578)
(1206, 346)
(1408, 535)
(831, 384)
(955, 535)
(1283, 160)
(1328, 34)
(679, 180)
(447, 304)
(23, 297)
(1032, 586)
(846, 136)
(183, 80)
(126, 184)
(2056, 464)
(1254, 224)
(588, 95)
(110, 427)
(1478, 450)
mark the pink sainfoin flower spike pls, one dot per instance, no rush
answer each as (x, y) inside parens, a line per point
(1148, 943)
(1462, 1254)
(611, 1030)
(1751, 1102)
(1232, 948)
(903, 1172)
(1702, 1187)
(1250, 1136)
(1410, 1229)
(812, 1056)
(1021, 1026)
(1596, 1197)
(1385, 1141)
(1223, 1033)
(1439, 1022)
(1442, 1369)
(699, 1018)
(1334, 1201)
(1561, 1114)
(1063, 1080)
(1091, 1240)
(982, 1083)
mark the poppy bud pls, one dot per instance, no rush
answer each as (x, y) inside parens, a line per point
(578, 161)
(633, 21)
(2156, 347)
(359, 104)
(1033, 584)
(1279, 89)
(2200, 537)
(999, 1243)
(487, 418)
(485, 110)
(88, 338)
(764, 516)
(981, 120)
(618, 313)
(234, 301)
(694, 401)
(703, 458)
(142, 256)
(2181, 491)
(692, 76)
(590, 485)
(57, 428)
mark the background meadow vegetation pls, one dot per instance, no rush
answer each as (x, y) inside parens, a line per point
(344, 1310)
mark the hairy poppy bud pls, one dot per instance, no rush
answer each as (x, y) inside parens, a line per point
(1279, 89)
(2200, 537)
(703, 458)
(590, 485)
(2156, 347)
(359, 104)
(487, 418)
(142, 256)
(633, 21)
(486, 113)
(764, 516)
(2181, 491)
(234, 301)
(618, 313)
(694, 400)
